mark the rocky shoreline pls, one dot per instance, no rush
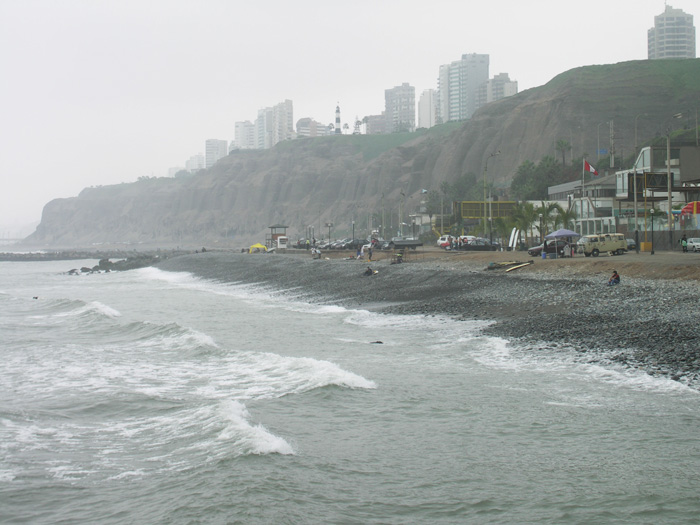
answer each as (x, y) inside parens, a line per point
(649, 324)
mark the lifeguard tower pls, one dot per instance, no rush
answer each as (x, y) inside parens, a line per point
(277, 237)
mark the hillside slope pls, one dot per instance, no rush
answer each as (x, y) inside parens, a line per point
(309, 182)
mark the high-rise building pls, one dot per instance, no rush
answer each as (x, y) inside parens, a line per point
(400, 108)
(214, 150)
(673, 35)
(274, 125)
(195, 163)
(458, 85)
(427, 109)
(244, 137)
(500, 86)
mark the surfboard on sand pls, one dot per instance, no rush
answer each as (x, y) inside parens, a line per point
(519, 266)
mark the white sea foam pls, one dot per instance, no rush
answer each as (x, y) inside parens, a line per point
(248, 438)
(104, 309)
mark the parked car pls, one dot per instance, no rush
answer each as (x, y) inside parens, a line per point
(694, 244)
(631, 245)
(536, 251)
(444, 241)
(480, 245)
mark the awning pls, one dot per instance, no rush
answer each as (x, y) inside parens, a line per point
(691, 208)
(562, 233)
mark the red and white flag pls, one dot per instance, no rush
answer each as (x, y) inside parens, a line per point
(588, 167)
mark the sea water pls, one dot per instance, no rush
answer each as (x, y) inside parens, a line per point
(155, 397)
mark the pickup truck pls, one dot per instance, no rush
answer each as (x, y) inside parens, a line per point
(398, 243)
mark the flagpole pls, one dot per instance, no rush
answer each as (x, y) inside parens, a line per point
(583, 189)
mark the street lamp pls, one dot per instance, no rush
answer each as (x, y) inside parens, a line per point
(670, 185)
(329, 225)
(486, 165)
(636, 155)
(598, 152)
(652, 230)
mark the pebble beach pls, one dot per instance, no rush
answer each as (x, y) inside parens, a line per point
(649, 321)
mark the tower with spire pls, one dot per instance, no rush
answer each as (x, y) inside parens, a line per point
(338, 131)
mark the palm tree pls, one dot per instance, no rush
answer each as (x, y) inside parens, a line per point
(566, 219)
(503, 227)
(548, 210)
(525, 215)
(563, 146)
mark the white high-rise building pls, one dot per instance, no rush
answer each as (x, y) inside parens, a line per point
(427, 109)
(274, 125)
(458, 85)
(673, 35)
(244, 135)
(214, 150)
(400, 108)
(195, 163)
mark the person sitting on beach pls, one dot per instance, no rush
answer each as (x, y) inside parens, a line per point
(615, 279)
(369, 271)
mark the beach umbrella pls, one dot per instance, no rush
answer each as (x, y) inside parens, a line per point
(562, 233)
(691, 208)
(257, 246)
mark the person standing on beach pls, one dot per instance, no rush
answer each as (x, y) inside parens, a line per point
(684, 243)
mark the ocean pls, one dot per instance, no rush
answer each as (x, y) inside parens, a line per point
(158, 397)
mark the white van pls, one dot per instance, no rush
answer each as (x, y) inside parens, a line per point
(613, 243)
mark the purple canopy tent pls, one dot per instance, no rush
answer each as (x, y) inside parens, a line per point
(561, 233)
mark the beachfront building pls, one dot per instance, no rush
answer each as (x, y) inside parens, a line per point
(400, 108)
(623, 201)
(214, 149)
(673, 35)
(593, 201)
(458, 86)
(427, 109)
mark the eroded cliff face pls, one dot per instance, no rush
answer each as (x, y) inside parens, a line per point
(309, 182)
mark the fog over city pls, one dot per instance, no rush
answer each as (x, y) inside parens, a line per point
(103, 92)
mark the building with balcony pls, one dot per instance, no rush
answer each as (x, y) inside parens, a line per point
(214, 150)
(458, 86)
(400, 108)
(673, 35)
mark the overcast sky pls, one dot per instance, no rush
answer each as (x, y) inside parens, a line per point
(100, 92)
